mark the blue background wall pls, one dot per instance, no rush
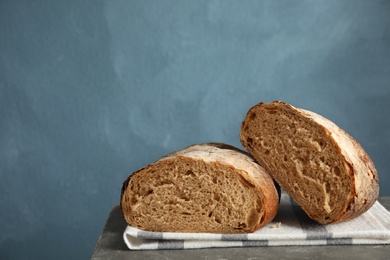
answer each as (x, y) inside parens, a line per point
(90, 91)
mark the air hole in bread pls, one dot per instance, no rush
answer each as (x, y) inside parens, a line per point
(252, 116)
(271, 110)
(241, 226)
(190, 172)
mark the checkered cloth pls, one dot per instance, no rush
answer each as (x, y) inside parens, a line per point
(290, 227)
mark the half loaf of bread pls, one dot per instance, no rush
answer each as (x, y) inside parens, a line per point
(212, 188)
(319, 165)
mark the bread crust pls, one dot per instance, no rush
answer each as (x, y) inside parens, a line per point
(364, 188)
(220, 155)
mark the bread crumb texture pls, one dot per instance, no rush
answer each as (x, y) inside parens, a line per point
(318, 164)
(197, 190)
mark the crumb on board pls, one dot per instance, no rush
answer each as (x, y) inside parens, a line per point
(276, 225)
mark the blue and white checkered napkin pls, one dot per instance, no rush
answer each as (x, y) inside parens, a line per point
(373, 227)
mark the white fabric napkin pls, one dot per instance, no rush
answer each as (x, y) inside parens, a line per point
(290, 227)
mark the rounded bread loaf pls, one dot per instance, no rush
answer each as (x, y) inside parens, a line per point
(326, 172)
(211, 187)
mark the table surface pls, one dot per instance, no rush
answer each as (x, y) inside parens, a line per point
(110, 245)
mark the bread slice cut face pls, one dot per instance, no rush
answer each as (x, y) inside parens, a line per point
(319, 165)
(211, 188)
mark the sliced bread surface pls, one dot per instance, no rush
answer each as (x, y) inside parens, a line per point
(212, 188)
(318, 164)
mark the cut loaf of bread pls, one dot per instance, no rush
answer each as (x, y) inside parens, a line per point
(319, 165)
(212, 187)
